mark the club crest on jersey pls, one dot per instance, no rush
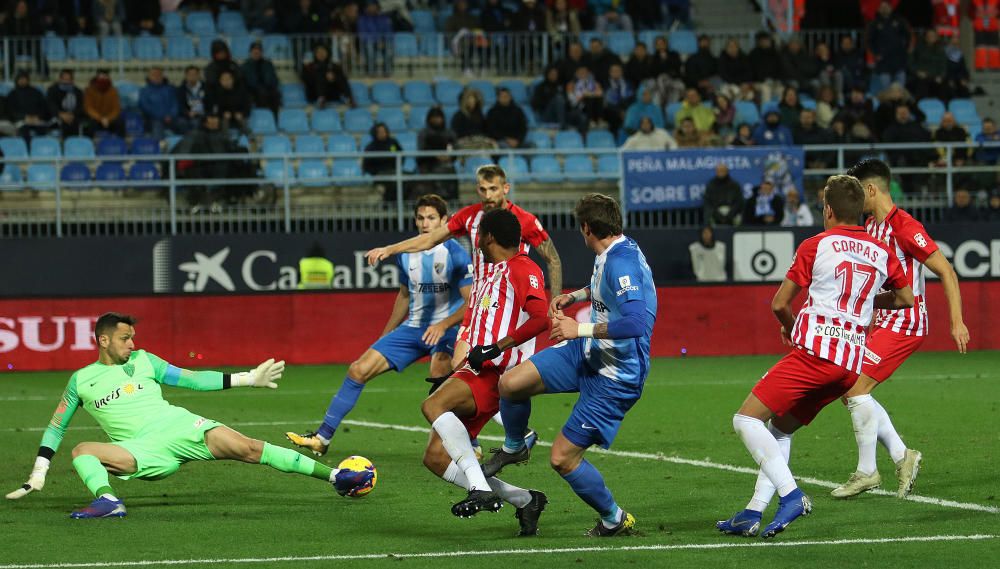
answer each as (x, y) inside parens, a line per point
(129, 369)
(533, 281)
(438, 267)
(919, 238)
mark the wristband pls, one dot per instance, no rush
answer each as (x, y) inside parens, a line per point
(242, 379)
(41, 465)
(579, 295)
(585, 330)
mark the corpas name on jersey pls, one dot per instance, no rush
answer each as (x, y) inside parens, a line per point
(433, 287)
(626, 285)
(839, 333)
(127, 389)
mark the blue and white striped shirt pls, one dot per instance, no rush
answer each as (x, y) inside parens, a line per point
(434, 278)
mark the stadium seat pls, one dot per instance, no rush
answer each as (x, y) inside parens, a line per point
(313, 173)
(13, 147)
(432, 45)
(172, 23)
(357, 120)
(516, 167)
(75, 172)
(143, 171)
(446, 91)
(54, 48)
(143, 146)
(671, 113)
(293, 95)
(405, 45)
(293, 121)
(608, 166)
(180, 47)
(360, 93)
(115, 48)
(964, 110)
(418, 93)
(42, 176)
(239, 46)
(148, 48)
(326, 120)
(5, 88)
(579, 168)
(309, 144)
(386, 93)
(277, 47)
(134, 123)
(110, 172)
(546, 169)
(600, 139)
(423, 21)
(111, 145)
(392, 117)
(262, 122)
(83, 48)
(341, 143)
(45, 147)
(684, 42)
(231, 23)
(530, 116)
(768, 107)
(128, 93)
(539, 139)
(275, 145)
(489, 91)
(346, 168)
(621, 43)
(205, 47)
(418, 117)
(568, 139)
(449, 113)
(171, 141)
(648, 37)
(472, 163)
(932, 108)
(276, 171)
(407, 139)
(78, 147)
(200, 23)
(517, 90)
(746, 112)
(11, 175)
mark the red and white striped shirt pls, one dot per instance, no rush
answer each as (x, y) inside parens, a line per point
(466, 222)
(843, 269)
(909, 242)
(499, 309)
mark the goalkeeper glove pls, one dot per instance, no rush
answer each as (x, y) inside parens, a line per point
(36, 481)
(482, 354)
(264, 375)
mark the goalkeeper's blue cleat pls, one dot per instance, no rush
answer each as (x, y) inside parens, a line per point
(791, 507)
(349, 482)
(745, 523)
(101, 508)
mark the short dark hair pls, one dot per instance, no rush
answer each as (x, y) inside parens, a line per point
(601, 213)
(871, 168)
(66, 70)
(432, 200)
(490, 171)
(845, 197)
(190, 67)
(109, 321)
(503, 226)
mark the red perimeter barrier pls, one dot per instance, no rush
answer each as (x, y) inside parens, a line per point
(317, 328)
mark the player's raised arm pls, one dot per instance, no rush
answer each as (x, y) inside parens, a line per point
(553, 263)
(421, 242)
(940, 266)
(264, 375)
(53, 436)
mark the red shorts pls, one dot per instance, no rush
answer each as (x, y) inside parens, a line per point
(486, 394)
(885, 351)
(802, 384)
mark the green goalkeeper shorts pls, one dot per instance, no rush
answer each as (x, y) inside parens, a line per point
(163, 446)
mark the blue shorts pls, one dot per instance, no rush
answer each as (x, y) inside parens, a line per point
(403, 346)
(602, 404)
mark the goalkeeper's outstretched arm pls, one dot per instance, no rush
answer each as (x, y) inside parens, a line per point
(264, 375)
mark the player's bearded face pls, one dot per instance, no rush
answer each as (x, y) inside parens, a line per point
(121, 344)
(493, 193)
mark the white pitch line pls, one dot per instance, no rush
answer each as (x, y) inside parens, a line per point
(454, 554)
(621, 453)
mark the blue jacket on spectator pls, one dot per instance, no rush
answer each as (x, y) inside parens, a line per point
(158, 101)
(772, 133)
(988, 155)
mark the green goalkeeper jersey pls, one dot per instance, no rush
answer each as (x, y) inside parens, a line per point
(125, 399)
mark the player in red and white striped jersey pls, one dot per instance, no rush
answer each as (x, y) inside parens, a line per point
(510, 312)
(843, 269)
(896, 334)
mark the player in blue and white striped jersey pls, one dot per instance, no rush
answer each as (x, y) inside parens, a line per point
(433, 296)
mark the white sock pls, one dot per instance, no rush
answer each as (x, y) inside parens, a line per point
(887, 434)
(865, 418)
(517, 497)
(766, 453)
(323, 439)
(764, 490)
(455, 439)
(498, 419)
(111, 497)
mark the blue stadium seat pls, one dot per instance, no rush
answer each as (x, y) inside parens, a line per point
(143, 171)
(472, 163)
(13, 147)
(684, 42)
(932, 108)
(180, 47)
(346, 168)
(114, 48)
(386, 93)
(671, 113)
(423, 21)
(600, 139)
(78, 147)
(42, 176)
(768, 107)
(75, 172)
(489, 91)
(418, 93)
(111, 145)
(357, 120)
(172, 23)
(277, 47)
(392, 117)
(530, 115)
(148, 48)
(205, 47)
(648, 37)
(546, 169)
(339, 143)
(568, 139)
(45, 147)
(293, 95)
(608, 166)
(11, 175)
(309, 144)
(110, 172)
(239, 46)
(746, 112)
(418, 117)
(262, 122)
(405, 45)
(517, 90)
(294, 121)
(200, 23)
(134, 123)
(143, 146)
(517, 169)
(171, 141)
(407, 139)
(314, 173)
(326, 120)
(446, 91)
(276, 171)
(621, 43)
(964, 110)
(449, 113)
(360, 93)
(54, 48)
(432, 44)
(5, 88)
(806, 101)
(128, 93)
(83, 48)
(539, 138)
(579, 168)
(231, 23)
(275, 145)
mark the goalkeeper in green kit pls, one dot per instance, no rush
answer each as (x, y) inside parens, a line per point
(151, 438)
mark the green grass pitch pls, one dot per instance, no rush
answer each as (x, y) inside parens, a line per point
(235, 515)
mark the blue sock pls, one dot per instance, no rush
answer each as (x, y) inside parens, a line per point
(588, 484)
(515, 422)
(340, 406)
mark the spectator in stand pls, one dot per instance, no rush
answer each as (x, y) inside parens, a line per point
(222, 60)
(859, 108)
(586, 95)
(18, 21)
(375, 37)
(305, 17)
(644, 107)
(992, 213)
(209, 138)
(667, 70)
(494, 17)
(469, 123)
(27, 108)
(851, 64)
(550, 104)
(436, 136)
(708, 258)
(957, 74)
(905, 129)
(344, 20)
(950, 131)
(506, 123)
(640, 66)
(889, 100)
(789, 108)
(102, 105)
(259, 15)
(142, 17)
(610, 16)
(888, 39)
(829, 75)
(692, 107)
(561, 22)
(962, 209)
(158, 103)
(928, 68)
(645, 15)
(108, 17)
(688, 136)
(765, 206)
(574, 60)
(765, 66)
(838, 131)
(734, 70)
(770, 131)
(701, 70)
(988, 155)
(725, 117)
(530, 17)
(826, 106)
(462, 29)
(723, 202)
(797, 214)
(600, 59)
(744, 136)
(800, 69)
(649, 137)
(382, 141)
(191, 99)
(325, 80)
(617, 97)
(807, 132)
(229, 102)
(261, 79)
(66, 104)
(676, 12)
(78, 16)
